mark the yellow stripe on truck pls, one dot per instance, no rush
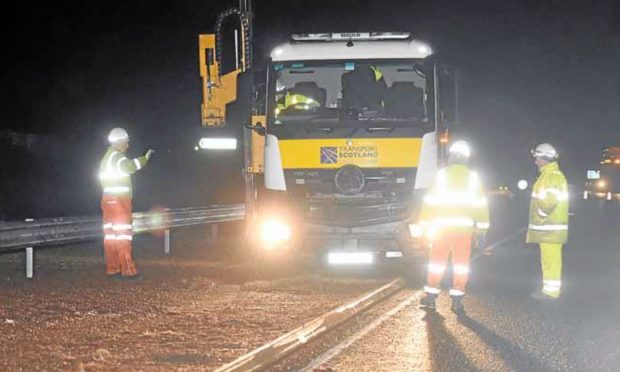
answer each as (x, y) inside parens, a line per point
(363, 152)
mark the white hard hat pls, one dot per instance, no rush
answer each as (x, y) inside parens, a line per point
(545, 151)
(460, 148)
(118, 135)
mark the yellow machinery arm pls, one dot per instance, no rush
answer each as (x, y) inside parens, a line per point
(217, 91)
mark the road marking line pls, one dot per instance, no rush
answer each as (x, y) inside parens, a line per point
(334, 351)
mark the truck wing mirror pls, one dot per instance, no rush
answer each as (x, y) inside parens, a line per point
(258, 128)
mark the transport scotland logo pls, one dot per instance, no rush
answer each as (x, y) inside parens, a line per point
(329, 155)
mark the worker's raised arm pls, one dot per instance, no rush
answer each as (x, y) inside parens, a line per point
(130, 166)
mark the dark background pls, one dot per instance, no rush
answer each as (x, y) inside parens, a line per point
(530, 72)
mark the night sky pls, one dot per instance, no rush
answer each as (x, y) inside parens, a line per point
(531, 71)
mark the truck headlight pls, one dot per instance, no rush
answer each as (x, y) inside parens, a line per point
(416, 230)
(273, 232)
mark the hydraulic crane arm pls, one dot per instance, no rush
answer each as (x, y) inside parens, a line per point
(220, 89)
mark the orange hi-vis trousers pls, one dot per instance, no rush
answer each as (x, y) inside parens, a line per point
(459, 244)
(118, 234)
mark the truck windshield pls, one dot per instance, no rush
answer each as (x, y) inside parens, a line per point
(349, 90)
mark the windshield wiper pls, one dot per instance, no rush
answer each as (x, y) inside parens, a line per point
(379, 129)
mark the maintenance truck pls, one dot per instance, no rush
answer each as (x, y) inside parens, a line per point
(339, 135)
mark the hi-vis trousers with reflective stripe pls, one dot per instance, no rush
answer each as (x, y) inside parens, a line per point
(117, 231)
(551, 262)
(459, 244)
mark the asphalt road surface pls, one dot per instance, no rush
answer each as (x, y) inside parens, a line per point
(504, 328)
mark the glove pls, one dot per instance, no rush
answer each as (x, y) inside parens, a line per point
(149, 153)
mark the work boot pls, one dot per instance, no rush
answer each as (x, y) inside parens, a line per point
(131, 278)
(428, 302)
(457, 305)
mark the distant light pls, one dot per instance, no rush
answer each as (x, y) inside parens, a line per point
(593, 174)
(196, 148)
(522, 184)
(601, 184)
(350, 258)
(444, 137)
(218, 143)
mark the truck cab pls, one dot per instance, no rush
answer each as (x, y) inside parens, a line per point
(355, 125)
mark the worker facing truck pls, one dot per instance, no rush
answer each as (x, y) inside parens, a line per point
(454, 210)
(115, 171)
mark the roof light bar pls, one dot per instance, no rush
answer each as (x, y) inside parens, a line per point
(346, 36)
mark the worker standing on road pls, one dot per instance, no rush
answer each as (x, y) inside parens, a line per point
(115, 172)
(548, 224)
(454, 210)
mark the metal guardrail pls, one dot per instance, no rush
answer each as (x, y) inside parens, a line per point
(65, 230)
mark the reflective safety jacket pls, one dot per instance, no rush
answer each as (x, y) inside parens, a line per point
(455, 201)
(378, 74)
(115, 172)
(549, 207)
(296, 101)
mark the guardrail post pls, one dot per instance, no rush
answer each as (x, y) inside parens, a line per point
(29, 263)
(214, 231)
(167, 242)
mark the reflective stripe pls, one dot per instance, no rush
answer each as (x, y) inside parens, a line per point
(453, 222)
(436, 268)
(553, 283)
(117, 237)
(431, 290)
(483, 225)
(542, 194)
(112, 172)
(118, 164)
(118, 227)
(112, 175)
(541, 213)
(461, 269)
(136, 161)
(443, 196)
(549, 227)
(107, 225)
(456, 292)
(552, 287)
(474, 182)
(116, 189)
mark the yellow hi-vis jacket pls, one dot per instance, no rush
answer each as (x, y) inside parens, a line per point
(115, 172)
(549, 207)
(296, 101)
(455, 201)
